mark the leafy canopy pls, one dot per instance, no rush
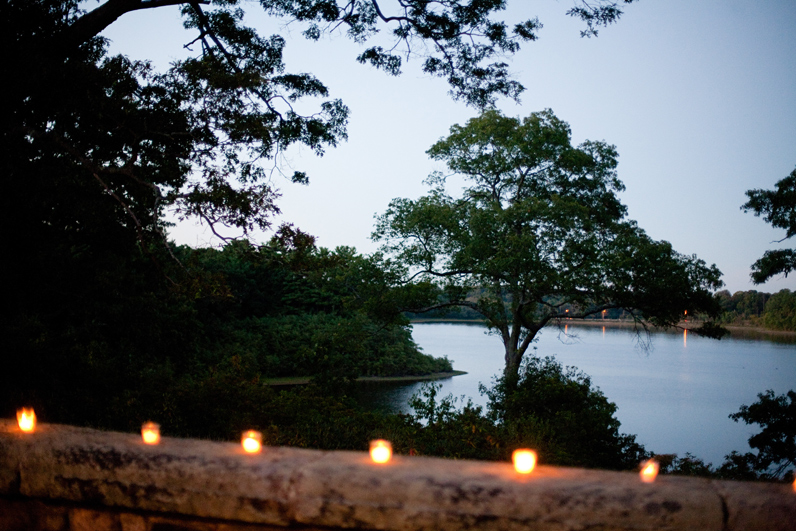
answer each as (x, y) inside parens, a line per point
(777, 207)
(203, 137)
(537, 235)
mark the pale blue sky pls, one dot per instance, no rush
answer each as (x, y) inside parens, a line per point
(699, 96)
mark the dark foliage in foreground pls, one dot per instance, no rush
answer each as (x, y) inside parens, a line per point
(775, 445)
(556, 412)
(107, 348)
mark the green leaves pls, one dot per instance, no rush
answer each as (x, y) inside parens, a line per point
(539, 227)
(777, 207)
(776, 442)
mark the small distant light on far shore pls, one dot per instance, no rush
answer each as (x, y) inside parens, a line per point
(26, 419)
(252, 442)
(649, 471)
(380, 451)
(524, 460)
(150, 433)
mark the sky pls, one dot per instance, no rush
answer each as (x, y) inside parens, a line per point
(699, 97)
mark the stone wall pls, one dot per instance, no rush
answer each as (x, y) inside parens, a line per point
(65, 478)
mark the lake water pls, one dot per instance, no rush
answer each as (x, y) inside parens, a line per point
(675, 395)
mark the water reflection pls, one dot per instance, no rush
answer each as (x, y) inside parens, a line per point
(676, 396)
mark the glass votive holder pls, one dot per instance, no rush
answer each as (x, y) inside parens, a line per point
(649, 470)
(380, 451)
(150, 433)
(26, 419)
(252, 442)
(524, 460)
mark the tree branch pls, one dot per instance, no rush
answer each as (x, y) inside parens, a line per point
(94, 22)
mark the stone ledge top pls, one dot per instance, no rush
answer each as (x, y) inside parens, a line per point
(291, 487)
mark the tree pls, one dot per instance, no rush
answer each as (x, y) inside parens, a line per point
(776, 442)
(199, 138)
(572, 422)
(777, 207)
(780, 311)
(540, 231)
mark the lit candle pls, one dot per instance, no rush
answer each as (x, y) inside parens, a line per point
(252, 442)
(380, 451)
(150, 433)
(649, 470)
(524, 460)
(26, 419)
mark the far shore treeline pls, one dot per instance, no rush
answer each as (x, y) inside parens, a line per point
(775, 311)
(753, 309)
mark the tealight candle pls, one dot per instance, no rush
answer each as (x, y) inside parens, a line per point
(252, 442)
(524, 460)
(649, 470)
(380, 451)
(150, 433)
(26, 419)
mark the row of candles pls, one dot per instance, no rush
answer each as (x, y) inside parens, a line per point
(524, 460)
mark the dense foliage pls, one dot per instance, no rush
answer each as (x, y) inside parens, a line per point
(539, 234)
(299, 310)
(557, 412)
(129, 350)
(753, 308)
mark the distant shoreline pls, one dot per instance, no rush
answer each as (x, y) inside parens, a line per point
(623, 323)
(303, 380)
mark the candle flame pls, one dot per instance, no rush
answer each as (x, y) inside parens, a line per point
(252, 442)
(150, 433)
(26, 419)
(524, 460)
(649, 470)
(380, 451)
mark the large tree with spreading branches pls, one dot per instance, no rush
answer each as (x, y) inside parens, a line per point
(538, 235)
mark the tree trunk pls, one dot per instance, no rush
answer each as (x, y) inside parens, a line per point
(511, 373)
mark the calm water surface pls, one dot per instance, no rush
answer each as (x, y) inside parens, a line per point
(675, 396)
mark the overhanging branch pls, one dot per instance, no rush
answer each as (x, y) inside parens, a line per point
(95, 21)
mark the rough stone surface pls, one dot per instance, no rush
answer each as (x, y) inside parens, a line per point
(63, 478)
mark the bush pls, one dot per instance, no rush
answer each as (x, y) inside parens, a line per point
(571, 422)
